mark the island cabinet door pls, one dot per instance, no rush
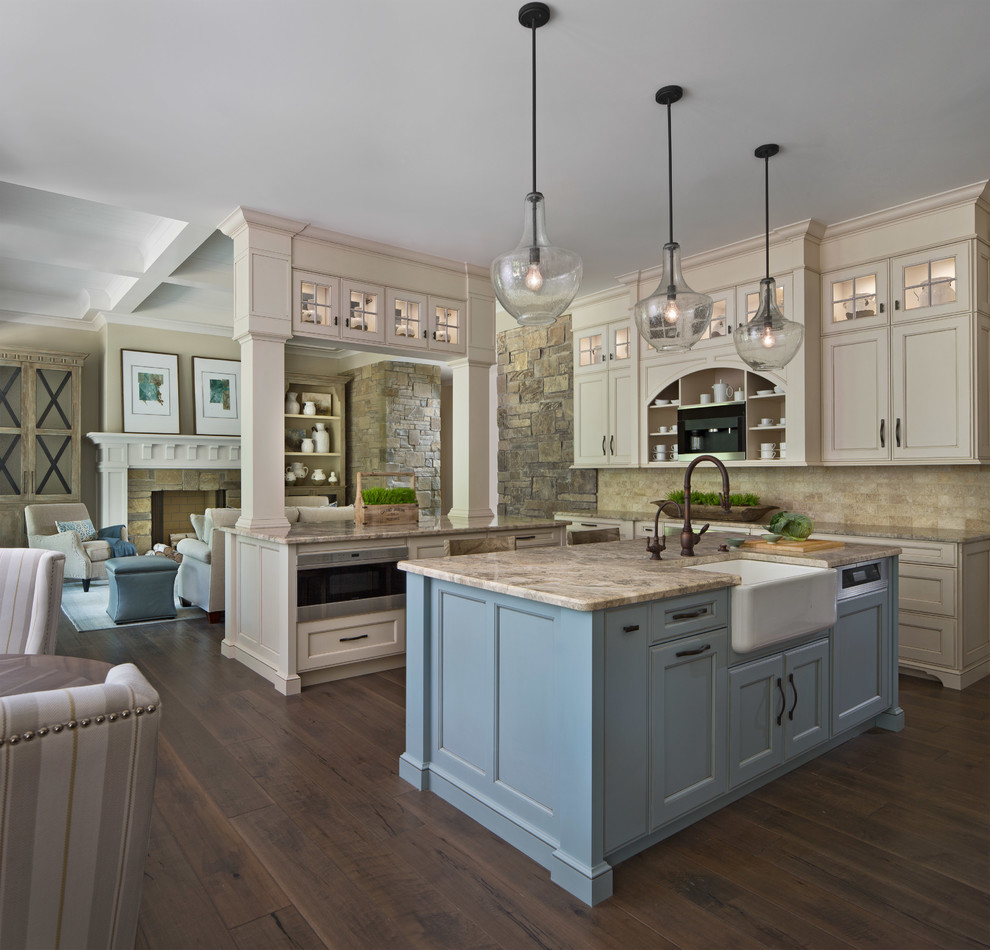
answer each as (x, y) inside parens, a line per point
(688, 715)
(756, 707)
(860, 660)
(627, 725)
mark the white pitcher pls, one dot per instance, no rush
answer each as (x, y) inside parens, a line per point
(299, 470)
(290, 476)
(722, 391)
(321, 437)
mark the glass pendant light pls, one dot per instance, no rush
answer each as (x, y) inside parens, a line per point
(769, 341)
(673, 317)
(536, 281)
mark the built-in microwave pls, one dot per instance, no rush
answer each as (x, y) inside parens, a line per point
(353, 581)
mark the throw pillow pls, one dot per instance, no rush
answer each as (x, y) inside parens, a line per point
(84, 528)
(199, 525)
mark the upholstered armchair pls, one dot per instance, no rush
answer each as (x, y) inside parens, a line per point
(83, 559)
(30, 599)
(77, 776)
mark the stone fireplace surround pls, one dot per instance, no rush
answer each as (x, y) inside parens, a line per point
(132, 465)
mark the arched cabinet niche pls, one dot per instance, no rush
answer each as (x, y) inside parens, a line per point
(733, 413)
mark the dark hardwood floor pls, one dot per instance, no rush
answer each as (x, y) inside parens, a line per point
(282, 823)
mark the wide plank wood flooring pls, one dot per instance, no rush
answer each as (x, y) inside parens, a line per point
(282, 823)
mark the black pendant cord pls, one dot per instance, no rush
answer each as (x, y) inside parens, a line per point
(670, 178)
(766, 206)
(534, 107)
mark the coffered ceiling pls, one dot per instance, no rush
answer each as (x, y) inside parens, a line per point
(130, 130)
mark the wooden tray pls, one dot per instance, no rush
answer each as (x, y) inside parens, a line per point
(385, 514)
(784, 546)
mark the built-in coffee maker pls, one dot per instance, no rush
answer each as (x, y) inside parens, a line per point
(718, 430)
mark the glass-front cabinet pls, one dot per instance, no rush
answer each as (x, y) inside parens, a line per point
(448, 330)
(748, 298)
(610, 346)
(855, 297)
(316, 305)
(363, 317)
(39, 434)
(406, 324)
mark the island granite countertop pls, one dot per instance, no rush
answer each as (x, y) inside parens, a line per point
(612, 573)
(347, 530)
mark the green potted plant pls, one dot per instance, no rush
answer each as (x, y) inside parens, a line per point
(745, 506)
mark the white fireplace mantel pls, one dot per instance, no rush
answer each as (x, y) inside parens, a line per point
(120, 451)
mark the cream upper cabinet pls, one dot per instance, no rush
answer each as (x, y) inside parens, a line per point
(605, 395)
(316, 305)
(928, 283)
(902, 394)
(855, 298)
(362, 312)
(420, 322)
(856, 396)
(723, 321)
(931, 283)
(748, 298)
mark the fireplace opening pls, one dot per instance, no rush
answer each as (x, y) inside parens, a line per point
(170, 511)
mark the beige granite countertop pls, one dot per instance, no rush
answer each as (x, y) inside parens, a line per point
(611, 574)
(349, 531)
(977, 532)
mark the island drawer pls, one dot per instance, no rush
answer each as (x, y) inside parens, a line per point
(692, 613)
(335, 640)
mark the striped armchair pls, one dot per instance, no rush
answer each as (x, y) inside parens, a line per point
(77, 775)
(30, 599)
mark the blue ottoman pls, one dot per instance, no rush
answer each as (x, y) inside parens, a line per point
(141, 588)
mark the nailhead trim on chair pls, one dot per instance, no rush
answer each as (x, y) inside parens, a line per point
(72, 723)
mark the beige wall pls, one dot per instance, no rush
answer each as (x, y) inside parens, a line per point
(917, 496)
(122, 336)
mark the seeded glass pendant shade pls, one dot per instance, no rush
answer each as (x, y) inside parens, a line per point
(536, 281)
(674, 317)
(769, 341)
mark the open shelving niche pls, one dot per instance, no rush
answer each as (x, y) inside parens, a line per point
(683, 410)
(327, 392)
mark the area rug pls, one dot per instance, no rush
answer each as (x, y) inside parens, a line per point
(88, 611)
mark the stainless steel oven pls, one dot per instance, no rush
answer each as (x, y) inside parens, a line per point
(352, 581)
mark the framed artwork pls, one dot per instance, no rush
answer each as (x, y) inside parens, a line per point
(217, 394)
(150, 384)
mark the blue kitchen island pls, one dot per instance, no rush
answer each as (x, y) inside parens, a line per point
(585, 702)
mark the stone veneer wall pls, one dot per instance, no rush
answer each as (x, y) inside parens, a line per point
(393, 424)
(917, 496)
(141, 482)
(536, 424)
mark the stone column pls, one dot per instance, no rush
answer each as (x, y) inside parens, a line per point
(471, 419)
(262, 324)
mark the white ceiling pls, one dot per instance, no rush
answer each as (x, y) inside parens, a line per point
(130, 130)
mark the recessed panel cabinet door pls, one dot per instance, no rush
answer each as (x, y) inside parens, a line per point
(591, 419)
(855, 405)
(688, 715)
(623, 417)
(932, 389)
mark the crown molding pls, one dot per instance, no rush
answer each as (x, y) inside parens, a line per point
(975, 193)
(161, 323)
(240, 218)
(88, 324)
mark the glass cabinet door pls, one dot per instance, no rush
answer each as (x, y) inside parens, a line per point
(722, 323)
(589, 349)
(362, 319)
(931, 283)
(748, 298)
(406, 320)
(448, 332)
(316, 305)
(855, 297)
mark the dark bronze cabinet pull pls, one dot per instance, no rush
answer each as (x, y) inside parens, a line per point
(525, 537)
(897, 433)
(603, 445)
(707, 646)
(694, 614)
(790, 679)
(883, 433)
(783, 700)
(360, 636)
(611, 445)
(632, 628)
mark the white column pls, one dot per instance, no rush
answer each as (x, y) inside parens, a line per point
(471, 420)
(262, 324)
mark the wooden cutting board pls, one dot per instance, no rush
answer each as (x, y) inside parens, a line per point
(782, 546)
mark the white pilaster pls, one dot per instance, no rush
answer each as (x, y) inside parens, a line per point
(471, 420)
(262, 324)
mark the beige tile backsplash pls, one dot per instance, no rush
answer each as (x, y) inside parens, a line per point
(929, 496)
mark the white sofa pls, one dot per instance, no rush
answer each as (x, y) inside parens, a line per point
(200, 580)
